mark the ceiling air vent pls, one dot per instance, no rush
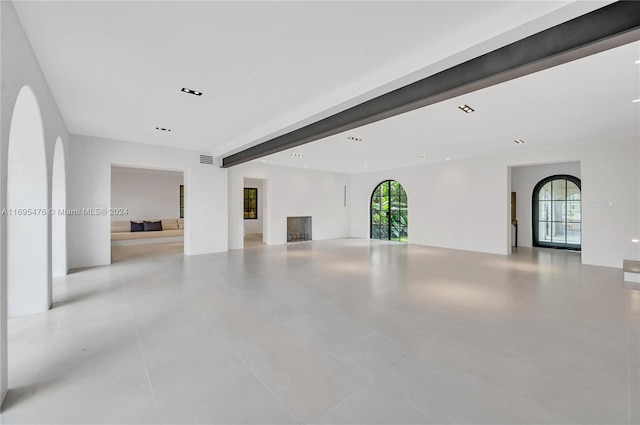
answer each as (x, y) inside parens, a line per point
(206, 159)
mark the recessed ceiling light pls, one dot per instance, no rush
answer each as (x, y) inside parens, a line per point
(193, 92)
(635, 100)
(637, 62)
(364, 165)
(354, 139)
(297, 155)
(423, 156)
(635, 240)
(447, 159)
(518, 141)
(466, 109)
(264, 160)
(163, 129)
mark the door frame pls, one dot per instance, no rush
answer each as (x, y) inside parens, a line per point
(535, 213)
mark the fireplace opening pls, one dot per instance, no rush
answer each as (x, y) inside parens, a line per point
(298, 229)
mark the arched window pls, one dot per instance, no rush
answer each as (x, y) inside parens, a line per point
(389, 219)
(557, 213)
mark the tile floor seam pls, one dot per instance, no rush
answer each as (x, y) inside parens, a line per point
(366, 378)
(367, 382)
(542, 362)
(44, 362)
(476, 376)
(362, 323)
(144, 361)
(215, 330)
(249, 301)
(487, 382)
(324, 350)
(399, 360)
(206, 322)
(176, 358)
(427, 412)
(55, 333)
(294, 417)
(153, 393)
(446, 309)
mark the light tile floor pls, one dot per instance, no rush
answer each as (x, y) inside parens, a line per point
(346, 331)
(253, 239)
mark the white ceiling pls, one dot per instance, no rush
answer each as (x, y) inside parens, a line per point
(116, 68)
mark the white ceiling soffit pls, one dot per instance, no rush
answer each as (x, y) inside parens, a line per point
(587, 100)
(117, 169)
(116, 68)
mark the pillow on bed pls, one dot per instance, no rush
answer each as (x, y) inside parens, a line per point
(152, 226)
(137, 227)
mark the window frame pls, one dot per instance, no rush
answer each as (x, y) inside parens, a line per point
(393, 213)
(181, 201)
(535, 213)
(248, 209)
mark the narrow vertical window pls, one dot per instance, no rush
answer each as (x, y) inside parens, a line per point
(250, 203)
(181, 201)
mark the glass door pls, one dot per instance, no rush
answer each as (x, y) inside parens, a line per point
(557, 217)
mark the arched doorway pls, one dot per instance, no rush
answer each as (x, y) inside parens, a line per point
(389, 218)
(28, 275)
(58, 219)
(557, 213)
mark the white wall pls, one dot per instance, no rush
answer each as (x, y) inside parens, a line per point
(465, 204)
(290, 192)
(89, 176)
(610, 174)
(28, 271)
(19, 67)
(145, 194)
(445, 203)
(523, 180)
(250, 225)
(59, 266)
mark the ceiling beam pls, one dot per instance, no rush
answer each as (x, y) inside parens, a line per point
(605, 28)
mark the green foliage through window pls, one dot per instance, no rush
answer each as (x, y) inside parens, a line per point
(250, 203)
(389, 212)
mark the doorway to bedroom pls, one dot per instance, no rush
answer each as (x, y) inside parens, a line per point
(147, 212)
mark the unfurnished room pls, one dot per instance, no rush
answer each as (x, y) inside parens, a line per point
(320, 212)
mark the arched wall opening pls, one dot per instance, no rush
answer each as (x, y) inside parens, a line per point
(28, 277)
(58, 217)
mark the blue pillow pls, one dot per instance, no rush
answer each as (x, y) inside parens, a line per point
(137, 227)
(152, 226)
